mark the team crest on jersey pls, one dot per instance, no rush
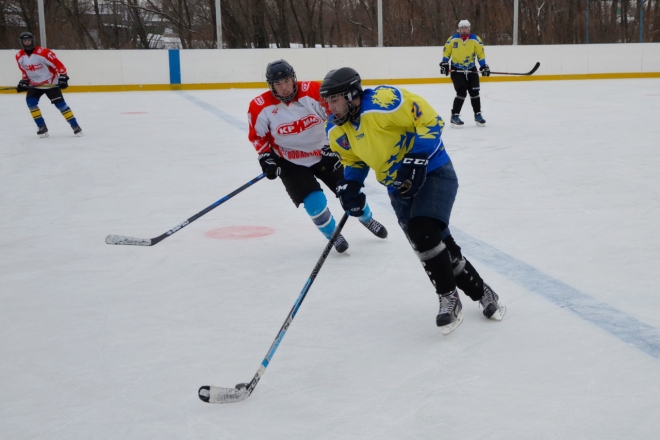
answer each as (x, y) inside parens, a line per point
(298, 126)
(455, 44)
(259, 100)
(343, 142)
(305, 86)
(385, 97)
(33, 67)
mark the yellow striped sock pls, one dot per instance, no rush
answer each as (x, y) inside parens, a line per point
(36, 113)
(68, 114)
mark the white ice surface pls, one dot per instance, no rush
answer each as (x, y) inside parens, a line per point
(558, 208)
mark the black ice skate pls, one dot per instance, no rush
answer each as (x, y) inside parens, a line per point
(490, 302)
(479, 119)
(341, 245)
(450, 315)
(376, 228)
(43, 131)
(456, 121)
(77, 130)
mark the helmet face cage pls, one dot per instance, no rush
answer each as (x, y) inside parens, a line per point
(278, 71)
(347, 83)
(25, 36)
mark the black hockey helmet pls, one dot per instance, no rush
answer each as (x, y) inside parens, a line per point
(279, 70)
(347, 82)
(25, 36)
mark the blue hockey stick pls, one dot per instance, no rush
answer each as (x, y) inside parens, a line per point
(242, 391)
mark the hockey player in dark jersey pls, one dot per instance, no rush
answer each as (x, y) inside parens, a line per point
(463, 48)
(286, 128)
(398, 135)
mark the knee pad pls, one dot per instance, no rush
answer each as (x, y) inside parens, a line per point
(461, 95)
(32, 103)
(425, 233)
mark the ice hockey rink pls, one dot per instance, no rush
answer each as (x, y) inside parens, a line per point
(558, 208)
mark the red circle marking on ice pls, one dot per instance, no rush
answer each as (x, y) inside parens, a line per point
(239, 232)
(133, 113)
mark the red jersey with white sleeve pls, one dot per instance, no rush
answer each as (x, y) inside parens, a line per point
(42, 67)
(295, 130)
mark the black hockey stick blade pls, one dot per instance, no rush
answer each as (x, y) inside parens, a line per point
(531, 72)
(242, 391)
(133, 241)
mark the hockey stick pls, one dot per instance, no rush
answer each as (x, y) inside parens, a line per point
(242, 391)
(531, 72)
(8, 88)
(122, 239)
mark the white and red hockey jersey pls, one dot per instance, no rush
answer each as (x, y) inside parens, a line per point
(42, 67)
(294, 131)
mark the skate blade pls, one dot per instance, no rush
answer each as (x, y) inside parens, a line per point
(446, 329)
(499, 313)
(479, 124)
(457, 126)
(79, 134)
(45, 135)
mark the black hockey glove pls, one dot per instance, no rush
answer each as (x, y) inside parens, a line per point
(330, 160)
(351, 197)
(444, 68)
(412, 174)
(23, 86)
(63, 81)
(269, 165)
(485, 70)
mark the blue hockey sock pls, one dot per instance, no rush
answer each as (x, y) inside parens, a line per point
(367, 214)
(33, 105)
(316, 206)
(67, 113)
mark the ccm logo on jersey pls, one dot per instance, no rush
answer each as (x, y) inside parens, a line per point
(298, 126)
(413, 161)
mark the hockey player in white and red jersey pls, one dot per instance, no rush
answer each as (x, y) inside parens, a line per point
(286, 127)
(43, 74)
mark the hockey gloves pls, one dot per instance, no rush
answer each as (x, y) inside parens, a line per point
(330, 160)
(351, 197)
(444, 68)
(269, 166)
(23, 86)
(63, 81)
(412, 174)
(485, 70)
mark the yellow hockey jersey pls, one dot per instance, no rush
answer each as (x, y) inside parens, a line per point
(392, 122)
(463, 53)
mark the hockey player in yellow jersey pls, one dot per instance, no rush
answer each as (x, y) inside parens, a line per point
(465, 50)
(399, 135)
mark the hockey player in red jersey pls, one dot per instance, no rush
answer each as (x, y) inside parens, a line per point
(286, 127)
(43, 74)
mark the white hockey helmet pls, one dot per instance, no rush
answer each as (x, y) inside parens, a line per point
(463, 23)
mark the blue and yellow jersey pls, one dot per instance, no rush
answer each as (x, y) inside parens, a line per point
(392, 123)
(463, 53)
